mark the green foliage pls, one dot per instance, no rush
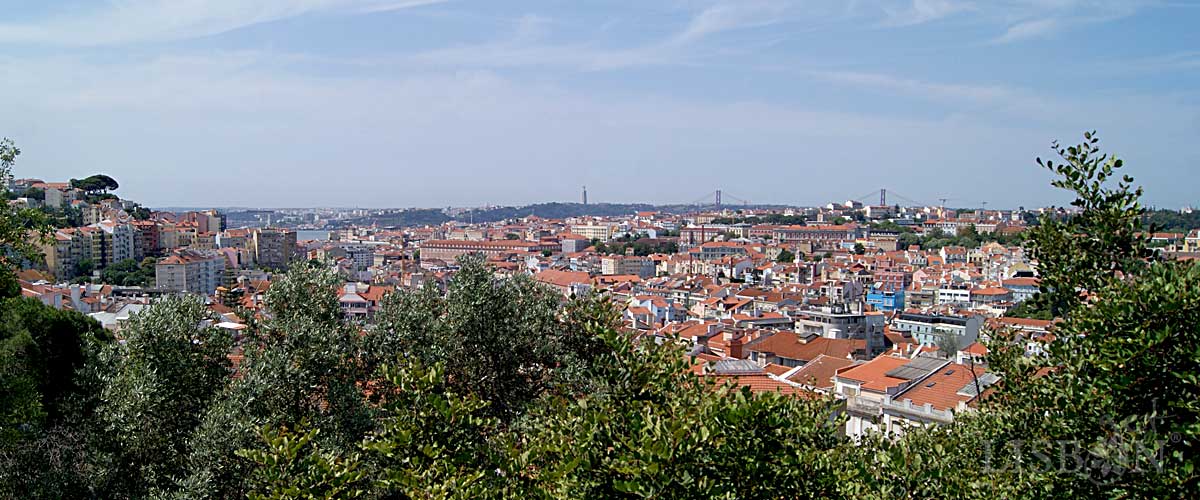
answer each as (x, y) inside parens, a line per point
(299, 370)
(776, 219)
(304, 292)
(63, 217)
(859, 249)
(40, 350)
(139, 212)
(1030, 309)
(641, 245)
(35, 194)
(1099, 244)
(501, 339)
(1173, 220)
(21, 229)
(293, 466)
(653, 429)
(785, 257)
(161, 379)
(967, 237)
(95, 184)
(433, 442)
(129, 272)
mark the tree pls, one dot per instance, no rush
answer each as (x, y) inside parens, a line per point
(648, 427)
(44, 405)
(129, 272)
(95, 184)
(84, 268)
(653, 429)
(859, 249)
(294, 466)
(139, 212)
(1028, 309)
(509, 328)
(785, 257)
(162, 379)
(299, 371)
(22, 230)
(1103, 242)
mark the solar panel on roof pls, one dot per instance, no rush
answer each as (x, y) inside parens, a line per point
(985, 380)
(736, 367)
(917, 368)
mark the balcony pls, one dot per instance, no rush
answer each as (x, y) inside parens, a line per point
(863, 407)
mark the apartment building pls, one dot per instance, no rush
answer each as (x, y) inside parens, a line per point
(627, 264)
(931, 329)
(66, 250)
(594, 231)
(273, 248)
(719, 249)
(191, 271)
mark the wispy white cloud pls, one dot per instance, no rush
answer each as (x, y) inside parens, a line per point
(1024, 30)
(524, 46)
(920, 88)
(730, 16)
(922, 11)
(126, 21)
(1034, 19)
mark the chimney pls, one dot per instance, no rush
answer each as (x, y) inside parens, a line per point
(736, 345)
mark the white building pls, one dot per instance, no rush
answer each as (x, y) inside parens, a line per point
(192, 271)
(951, 296)
(121, 240)
(930, 329)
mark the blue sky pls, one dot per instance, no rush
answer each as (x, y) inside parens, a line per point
(393, 103)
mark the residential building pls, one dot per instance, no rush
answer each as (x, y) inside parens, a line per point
(274, 248)
(627, 264)
(191, 271)
(952, 296)
(717, 249)
(572, 243)
(1022, 288)
(594, 231)
(787, 348)
(934, 329)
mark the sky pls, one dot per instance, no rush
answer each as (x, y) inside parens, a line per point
(428, 103)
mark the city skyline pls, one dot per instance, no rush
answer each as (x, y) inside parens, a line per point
(458, 103)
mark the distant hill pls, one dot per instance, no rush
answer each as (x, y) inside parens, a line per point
(552, 210)
(557, 210)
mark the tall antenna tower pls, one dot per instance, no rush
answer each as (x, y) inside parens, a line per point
(585, 195)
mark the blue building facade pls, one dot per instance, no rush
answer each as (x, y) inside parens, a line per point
(886, 301)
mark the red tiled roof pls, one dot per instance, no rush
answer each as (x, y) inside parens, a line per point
(759, 384)
(787, 344)
(940, 389)
(872, 373)
(820, 371)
